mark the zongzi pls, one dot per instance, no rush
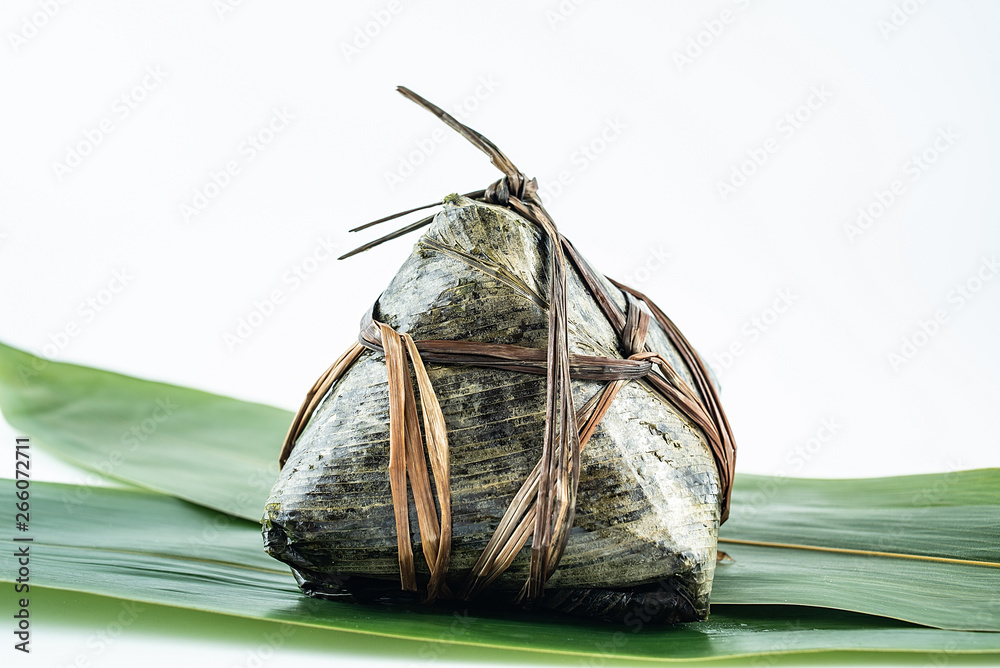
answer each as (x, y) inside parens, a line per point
(576, 455)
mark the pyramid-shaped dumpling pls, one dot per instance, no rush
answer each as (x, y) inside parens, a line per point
(648, 504)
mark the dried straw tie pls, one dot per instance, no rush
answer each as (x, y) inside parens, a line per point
(543, 509)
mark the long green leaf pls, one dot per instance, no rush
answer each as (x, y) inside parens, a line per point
(152, 548)
(84, 415)
(898, 514)
(213, 450)
(945, 596)
(877, 526)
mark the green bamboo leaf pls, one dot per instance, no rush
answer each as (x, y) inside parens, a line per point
(84, 415)
(949, 596)
(208, 449)
(156, 549)
(919, 548)
(898, 514)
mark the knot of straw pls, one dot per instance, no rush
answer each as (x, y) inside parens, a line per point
(514, 185)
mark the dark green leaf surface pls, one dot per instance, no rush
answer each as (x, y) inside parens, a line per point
(156, 549)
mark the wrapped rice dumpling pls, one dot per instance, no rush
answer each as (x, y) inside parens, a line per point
(512, 427)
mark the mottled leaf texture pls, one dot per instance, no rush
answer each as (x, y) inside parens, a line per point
(647, 512)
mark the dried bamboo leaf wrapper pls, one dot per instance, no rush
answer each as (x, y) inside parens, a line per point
(648, 499)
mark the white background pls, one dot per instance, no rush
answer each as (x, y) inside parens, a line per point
(869, 87)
